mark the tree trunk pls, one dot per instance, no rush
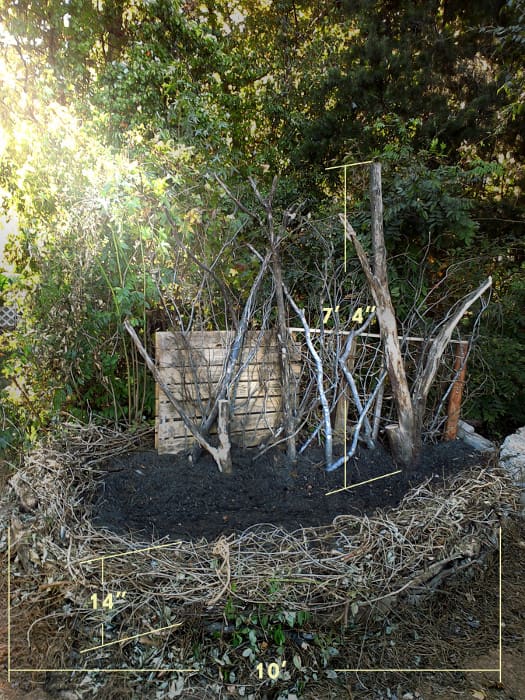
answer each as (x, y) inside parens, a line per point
(223, 429)
(405, 435)
(288, 388)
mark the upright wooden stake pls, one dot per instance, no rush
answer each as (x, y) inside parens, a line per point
(224, 449)
(341, 410)
(456, 394)
(283, 335)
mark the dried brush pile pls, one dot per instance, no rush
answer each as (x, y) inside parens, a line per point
(341, 571)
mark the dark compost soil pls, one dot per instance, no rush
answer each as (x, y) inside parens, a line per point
(152, 496)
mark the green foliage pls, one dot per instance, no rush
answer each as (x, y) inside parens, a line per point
(496, 378)
(402, 59)
(152, 85)
(91, 232)
(256, 630)
(426, 200)
(117, 115)
(510, 42)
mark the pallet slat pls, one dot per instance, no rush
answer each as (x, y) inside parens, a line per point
(173, 349)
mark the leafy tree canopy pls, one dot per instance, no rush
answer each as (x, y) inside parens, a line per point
(112, 111)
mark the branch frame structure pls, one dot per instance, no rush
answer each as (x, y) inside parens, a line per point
(405, 436)
(221, 454)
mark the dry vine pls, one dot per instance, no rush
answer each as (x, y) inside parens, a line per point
(341, 569)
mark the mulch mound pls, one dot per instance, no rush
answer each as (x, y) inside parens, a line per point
(343, 570)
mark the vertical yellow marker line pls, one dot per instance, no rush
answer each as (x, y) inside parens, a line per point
(103, 596)
(345, 209)
(500, 610)
(8, 604)
(344, 239)
(344, 206)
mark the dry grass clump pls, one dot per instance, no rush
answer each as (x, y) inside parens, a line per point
(339, 570)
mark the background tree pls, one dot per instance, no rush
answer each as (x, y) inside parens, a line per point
(242, 88)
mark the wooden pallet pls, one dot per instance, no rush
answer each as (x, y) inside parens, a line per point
(192, 366)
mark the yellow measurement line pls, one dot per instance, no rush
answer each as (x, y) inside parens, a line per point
(102, 586)
(331, 331)
(415, 670)
(135, 636)
(105, 670)
(344, 440)
(349, 165)
(129, 552)
(362, 483)
(498, 670)
(8, 603)
(500, 608)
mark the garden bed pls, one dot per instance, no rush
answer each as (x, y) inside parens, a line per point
(276, 579)
(153, 496)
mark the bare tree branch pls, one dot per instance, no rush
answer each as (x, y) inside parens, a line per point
(362, 417)
(439, 343)
(342, 361)
(282, 330)
(234, 353)
(227, 295)
(238, 202)
(221, 455)
(319, 376)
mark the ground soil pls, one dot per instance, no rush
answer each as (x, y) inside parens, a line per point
(458, 627)
(152, 496)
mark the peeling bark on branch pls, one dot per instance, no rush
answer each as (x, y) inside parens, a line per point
(405, 436)
(319, 378)
(235, 351)
(439, 343)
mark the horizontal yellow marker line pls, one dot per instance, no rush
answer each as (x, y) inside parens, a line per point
(361, 483)
(135, 636)
(131, 551)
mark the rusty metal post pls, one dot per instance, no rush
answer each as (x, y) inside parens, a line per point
(454, 402)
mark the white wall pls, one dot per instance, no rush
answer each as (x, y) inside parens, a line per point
(6, 229)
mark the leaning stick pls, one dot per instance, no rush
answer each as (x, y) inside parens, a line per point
(220, 455)
(234, 353)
